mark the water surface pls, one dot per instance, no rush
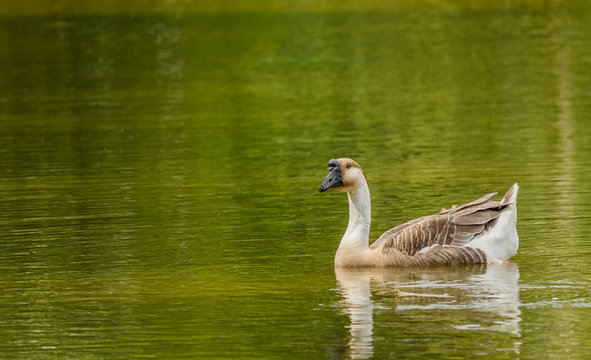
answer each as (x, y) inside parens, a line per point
(160, 165)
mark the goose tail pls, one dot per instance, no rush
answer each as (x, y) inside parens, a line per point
(511, 195)
(501, 241)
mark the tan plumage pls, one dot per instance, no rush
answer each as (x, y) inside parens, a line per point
(466, 234)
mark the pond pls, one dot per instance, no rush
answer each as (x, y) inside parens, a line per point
(161, 160)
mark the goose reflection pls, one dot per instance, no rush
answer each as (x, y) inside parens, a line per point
(490, 289)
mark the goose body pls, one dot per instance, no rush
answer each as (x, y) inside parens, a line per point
(481, 231)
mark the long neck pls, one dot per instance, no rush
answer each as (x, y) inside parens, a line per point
(355, 242)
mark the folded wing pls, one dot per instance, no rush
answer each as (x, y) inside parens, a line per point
(440, 234)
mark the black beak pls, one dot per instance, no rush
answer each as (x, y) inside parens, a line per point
(334, 178)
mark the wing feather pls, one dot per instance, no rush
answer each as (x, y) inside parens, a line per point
(477, 218)
(481, 200)
(452, 228)
(447, 254)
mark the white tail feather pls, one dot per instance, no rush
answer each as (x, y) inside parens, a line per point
(501, 241)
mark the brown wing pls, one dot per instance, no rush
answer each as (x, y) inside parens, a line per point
(456, 226)
(449, 254)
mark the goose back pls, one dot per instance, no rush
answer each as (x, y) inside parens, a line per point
(442, 238)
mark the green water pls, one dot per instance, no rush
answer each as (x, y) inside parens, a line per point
(160, 164)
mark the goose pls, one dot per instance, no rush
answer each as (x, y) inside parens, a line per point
(479, 232)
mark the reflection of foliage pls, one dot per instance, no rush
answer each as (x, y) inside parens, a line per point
(159, 168)
(143, 7)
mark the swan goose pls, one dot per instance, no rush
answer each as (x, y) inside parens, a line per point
(482, 231)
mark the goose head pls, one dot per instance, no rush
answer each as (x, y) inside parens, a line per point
(343, 175)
